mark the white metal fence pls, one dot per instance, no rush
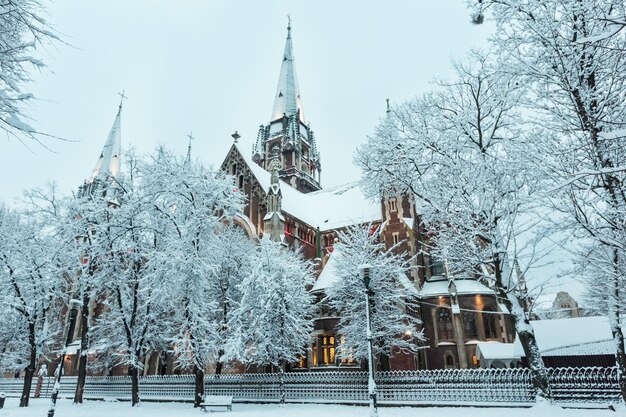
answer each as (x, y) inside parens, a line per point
(453, 387)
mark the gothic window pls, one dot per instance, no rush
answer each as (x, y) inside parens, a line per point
(393, 204)
(241, 182)
(449, 361)
(490, 322)
(436, 267)
(326, 347)
(233, 169)
(396, 238)
(469, 325)
(445, 330)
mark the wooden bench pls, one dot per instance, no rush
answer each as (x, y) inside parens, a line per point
(217, 401)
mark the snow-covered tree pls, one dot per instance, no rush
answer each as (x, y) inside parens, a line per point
(273, 323)
(234, 256)
(459, 152)
(570, 55)
(24, 29)
(197, 253)
(134, 294)
(393, 327)
(31, 289)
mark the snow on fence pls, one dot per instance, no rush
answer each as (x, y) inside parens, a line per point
(456, 386)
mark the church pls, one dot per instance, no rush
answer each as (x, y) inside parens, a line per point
(281, 180)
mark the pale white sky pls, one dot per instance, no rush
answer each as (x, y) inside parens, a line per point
(211, 67)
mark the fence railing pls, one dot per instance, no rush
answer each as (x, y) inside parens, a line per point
(458, 386)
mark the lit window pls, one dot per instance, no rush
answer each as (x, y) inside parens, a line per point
(326, 350)
(396, 238)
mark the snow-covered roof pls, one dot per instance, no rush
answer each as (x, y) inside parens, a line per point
(495, 350)
(571, 336)
(109, 160)
(330, 208)
(605, 347)
(463, 287)
(328, 277)
(287, 100)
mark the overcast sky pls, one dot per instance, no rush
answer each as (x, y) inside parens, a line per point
(211, 67)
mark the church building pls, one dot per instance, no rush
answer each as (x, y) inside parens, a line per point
(281, 180)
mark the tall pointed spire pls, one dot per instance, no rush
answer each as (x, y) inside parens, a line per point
(287, 137)
(287, 100)
(109, 162)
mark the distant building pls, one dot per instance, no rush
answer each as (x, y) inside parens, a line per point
(555, 306)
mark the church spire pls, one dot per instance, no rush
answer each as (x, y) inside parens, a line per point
(287, 100)
(287, 138)
(109, 162)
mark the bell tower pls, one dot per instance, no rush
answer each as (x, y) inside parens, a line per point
(287, 136)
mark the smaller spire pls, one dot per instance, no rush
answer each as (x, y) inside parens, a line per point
(109, 161)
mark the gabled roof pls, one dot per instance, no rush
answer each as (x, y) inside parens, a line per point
(287, 100)
(495, 351)
(331, 208)
(109, 161)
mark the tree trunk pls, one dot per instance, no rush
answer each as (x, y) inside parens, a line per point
(620, 360)
(133, 372)
(281, 381)
(526, 334)
(219, 365)
(30, 369)
(84, 348)
(199, 386)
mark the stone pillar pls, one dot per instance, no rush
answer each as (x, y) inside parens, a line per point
(458, 336)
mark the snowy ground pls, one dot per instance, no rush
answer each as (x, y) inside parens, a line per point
(65, 408)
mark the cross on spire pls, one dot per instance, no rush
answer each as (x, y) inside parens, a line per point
(289, 21)
(190, 136)
(122, 97)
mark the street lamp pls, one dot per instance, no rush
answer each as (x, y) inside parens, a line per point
(74, 305)
(365, 271)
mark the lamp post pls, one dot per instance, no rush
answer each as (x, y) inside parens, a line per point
(365, 271)
(74, 305)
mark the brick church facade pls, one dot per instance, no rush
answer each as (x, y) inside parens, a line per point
(281, 176)
(281, 179)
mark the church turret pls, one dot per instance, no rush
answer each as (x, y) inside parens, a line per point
(287, 133)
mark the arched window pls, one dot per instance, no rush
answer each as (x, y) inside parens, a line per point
(470, 329)
(449, 361)
(445, 329)
(241, 182)
(490, 322)
(233, 169)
